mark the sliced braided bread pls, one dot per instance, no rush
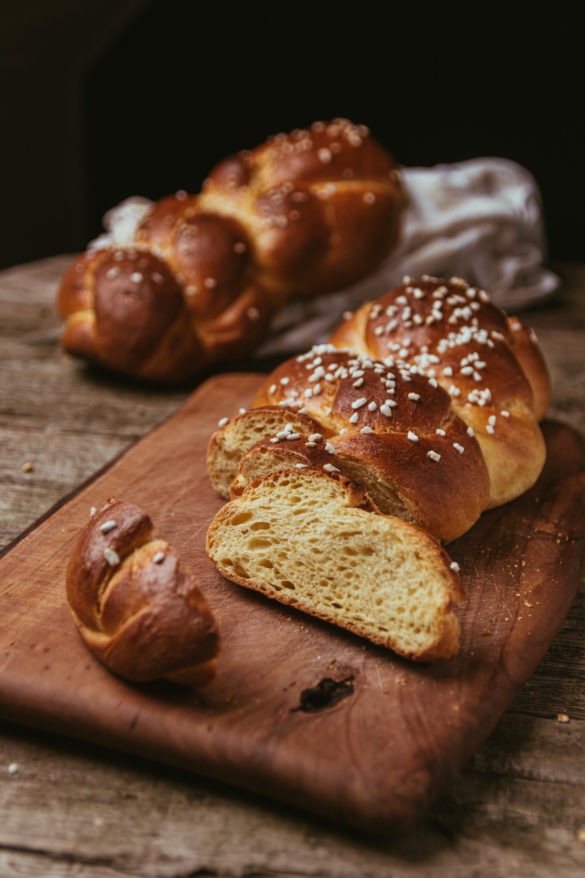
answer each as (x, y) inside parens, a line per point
(436, 364)
(434, 419)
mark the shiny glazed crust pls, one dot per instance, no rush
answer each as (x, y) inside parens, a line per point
(384, 426)
(488, 363)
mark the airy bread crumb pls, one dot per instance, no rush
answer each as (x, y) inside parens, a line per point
(316, 542)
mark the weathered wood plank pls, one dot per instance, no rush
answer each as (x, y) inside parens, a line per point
(144, 819)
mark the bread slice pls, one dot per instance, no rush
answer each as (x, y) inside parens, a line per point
(315, 541)
(228, 444)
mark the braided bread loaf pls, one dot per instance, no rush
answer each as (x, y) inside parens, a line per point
(136, 606)
(196, 278)
(353, 464)
(434, 455)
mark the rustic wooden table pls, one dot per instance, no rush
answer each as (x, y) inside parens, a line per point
(68, 808)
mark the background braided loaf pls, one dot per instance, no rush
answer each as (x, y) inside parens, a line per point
(195, 279)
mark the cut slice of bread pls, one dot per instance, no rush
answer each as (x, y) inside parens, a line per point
(315, 541)
(228, 444)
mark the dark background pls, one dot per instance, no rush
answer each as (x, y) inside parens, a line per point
(103, 99)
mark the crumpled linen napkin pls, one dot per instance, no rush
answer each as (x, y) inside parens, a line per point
(479, 219)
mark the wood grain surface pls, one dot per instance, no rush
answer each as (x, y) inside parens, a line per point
(68, 807)
(374, 759)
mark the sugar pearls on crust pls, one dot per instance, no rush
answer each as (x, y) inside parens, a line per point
(453, 333)
(350, 392)
(382, 424)
(488, 363)
(338, 148)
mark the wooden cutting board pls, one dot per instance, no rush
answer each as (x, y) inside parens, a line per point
(373, 744)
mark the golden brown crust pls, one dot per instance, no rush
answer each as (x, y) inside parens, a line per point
(136, 606)
(525, 348)
(322, 205)
(488, 363)
(303, 214)
(384, 425)
(126, 310)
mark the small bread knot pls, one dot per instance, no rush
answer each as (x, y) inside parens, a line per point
(137, 607)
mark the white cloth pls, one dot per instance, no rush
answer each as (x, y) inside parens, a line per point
(480, 220)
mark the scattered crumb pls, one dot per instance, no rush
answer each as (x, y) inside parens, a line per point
(98, 821)
(27, 467)
(581, 835)
(528, 604)
(562, 718)
(13, 768)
